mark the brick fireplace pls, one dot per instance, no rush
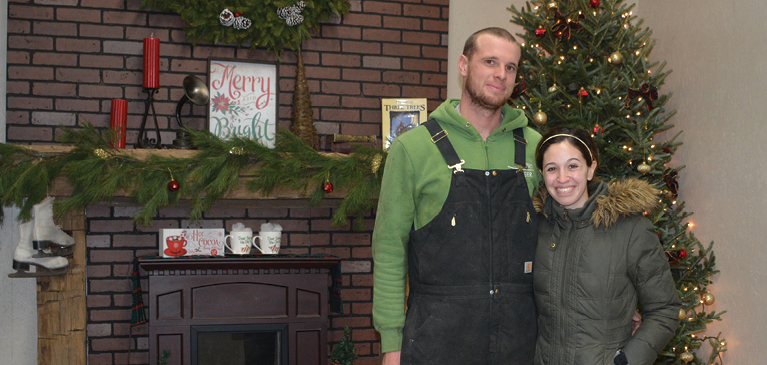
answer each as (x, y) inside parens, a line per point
(113, 241)
(67, 59)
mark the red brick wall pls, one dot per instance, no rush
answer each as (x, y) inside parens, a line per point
(113, 241)
(68, 58)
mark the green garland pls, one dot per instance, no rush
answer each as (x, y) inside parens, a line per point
(267, 29)
(97, 172)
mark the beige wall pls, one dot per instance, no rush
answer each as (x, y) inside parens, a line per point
(467, 17)
(18, 301)
(716, 50)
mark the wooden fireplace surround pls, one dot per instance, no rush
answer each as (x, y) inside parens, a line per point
(239, 291)
(62, 339)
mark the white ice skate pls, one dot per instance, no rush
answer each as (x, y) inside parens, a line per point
(47, 238)
(23, 257)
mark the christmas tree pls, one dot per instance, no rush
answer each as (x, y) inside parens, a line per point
(587, 64)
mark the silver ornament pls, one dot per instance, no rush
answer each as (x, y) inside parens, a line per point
(241, 23)
(295, 20)
(292, 14)
(284, 13)
(226, 18)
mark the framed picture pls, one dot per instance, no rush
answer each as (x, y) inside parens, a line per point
(400, 116)
(243, 99)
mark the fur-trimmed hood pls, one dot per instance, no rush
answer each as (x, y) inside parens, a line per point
(623, 197)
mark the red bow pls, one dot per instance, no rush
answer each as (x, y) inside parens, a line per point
(563, 25)
(647, 91)
(519, 90)
(669, 176)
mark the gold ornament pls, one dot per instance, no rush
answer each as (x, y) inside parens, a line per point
(682, 314)
(686, 356)
(644, 168)
(376, 163)
(540, 118)
(708, 298)
(553, 88)
(616, 58)
(100, 153)
(552, 6)
(237, 151)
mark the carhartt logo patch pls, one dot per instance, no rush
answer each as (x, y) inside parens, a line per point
(528, 267)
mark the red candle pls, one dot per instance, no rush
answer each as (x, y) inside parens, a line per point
(151, 63)
(118, 122)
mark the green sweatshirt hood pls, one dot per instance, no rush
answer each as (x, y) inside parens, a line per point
(446, 113)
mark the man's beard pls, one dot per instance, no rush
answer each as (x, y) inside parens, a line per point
(482, 100)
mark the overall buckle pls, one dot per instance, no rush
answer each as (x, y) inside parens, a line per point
(457, 167)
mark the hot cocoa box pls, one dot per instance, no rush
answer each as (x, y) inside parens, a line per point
(191, 241)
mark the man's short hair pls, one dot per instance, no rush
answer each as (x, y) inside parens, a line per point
(471, 43)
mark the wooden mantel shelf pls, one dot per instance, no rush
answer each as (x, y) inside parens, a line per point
(60, 187)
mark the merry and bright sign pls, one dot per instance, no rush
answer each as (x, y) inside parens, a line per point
(243, 100)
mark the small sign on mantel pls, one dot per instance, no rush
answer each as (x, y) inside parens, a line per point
(191, 241)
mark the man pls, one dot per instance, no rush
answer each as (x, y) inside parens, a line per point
(455, 215)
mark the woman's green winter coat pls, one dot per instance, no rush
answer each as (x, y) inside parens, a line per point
(593, 265)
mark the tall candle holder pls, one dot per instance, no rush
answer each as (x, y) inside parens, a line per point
(151, 83)
(144, 142)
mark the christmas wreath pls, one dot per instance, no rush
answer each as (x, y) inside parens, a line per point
(274, 25)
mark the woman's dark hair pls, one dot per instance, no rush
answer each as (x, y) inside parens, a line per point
(577, 137)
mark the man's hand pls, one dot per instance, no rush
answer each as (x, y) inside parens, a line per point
(391, 358)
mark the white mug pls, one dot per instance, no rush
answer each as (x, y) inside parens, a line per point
(270, 242)
(241, 242)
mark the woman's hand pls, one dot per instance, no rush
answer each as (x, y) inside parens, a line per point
(391, 358)
(636, 321)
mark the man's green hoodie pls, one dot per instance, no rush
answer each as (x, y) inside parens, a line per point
(415, 186)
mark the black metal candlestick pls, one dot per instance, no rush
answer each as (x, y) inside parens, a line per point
(144, 142)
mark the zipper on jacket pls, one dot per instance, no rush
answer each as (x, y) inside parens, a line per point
(562, 302)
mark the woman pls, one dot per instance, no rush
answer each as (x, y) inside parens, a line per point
(597, 257)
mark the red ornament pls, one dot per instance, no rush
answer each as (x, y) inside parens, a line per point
(598, 129)
(327, 187)
(540, 32)
(583, 94)
(173, 186)
(237, 14)
(672, 259)
(682, 254)
(594, 3)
